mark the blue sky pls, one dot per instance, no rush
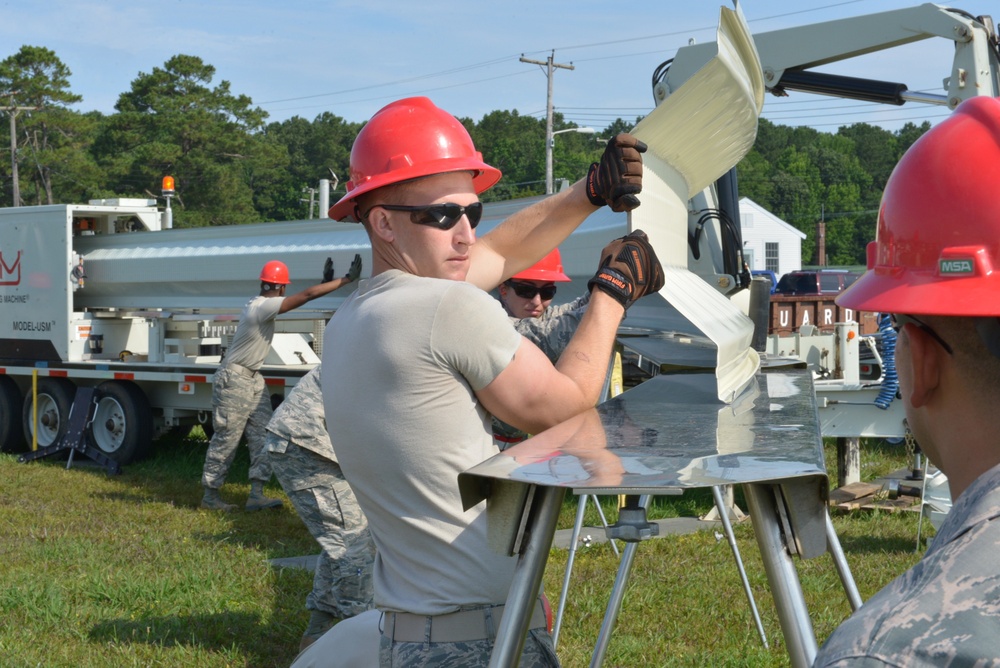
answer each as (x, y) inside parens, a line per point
(351, 57)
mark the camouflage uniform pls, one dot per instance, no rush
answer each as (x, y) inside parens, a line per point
(551, 332)
(304, 463)
(945, 611)
(239, 403)
(537, 653)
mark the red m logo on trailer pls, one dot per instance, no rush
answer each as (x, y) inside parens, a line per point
(10, 274)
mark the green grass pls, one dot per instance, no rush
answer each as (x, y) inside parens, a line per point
(127, 571)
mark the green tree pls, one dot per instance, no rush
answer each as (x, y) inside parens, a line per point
(320, 149)
(35, 77)
(515, 145)
(173, 122)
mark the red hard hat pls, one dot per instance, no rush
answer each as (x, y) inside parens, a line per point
(408, 139)
(549, 268)
(275, 272)
(937, 247)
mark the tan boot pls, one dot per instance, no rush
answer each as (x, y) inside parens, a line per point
(212, 501)
(319, 623)
(257, 500)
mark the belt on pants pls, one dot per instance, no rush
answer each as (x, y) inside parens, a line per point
(241, 370)
(462, 626)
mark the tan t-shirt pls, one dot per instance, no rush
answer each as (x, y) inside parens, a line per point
(402, 359)
(252, 340)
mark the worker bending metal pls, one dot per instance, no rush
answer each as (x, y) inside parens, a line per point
(417, 359)
(239, 398)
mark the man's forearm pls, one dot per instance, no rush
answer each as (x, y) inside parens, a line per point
(585, 359)
(524, 238)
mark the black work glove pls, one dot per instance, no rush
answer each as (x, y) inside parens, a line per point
(355, 270)
(629, 269)
(617, 179)
(328, 270)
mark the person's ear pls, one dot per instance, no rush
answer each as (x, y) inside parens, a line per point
(381, 226)
(925, 359)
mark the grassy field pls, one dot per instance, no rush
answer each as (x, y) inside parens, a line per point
(127, 571)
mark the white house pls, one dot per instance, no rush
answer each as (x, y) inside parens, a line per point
(768, 241)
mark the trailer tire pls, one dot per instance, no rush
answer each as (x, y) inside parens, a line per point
(122, 428)
(55, 399)
(11, 428)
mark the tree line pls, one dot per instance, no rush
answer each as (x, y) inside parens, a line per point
(231, 166)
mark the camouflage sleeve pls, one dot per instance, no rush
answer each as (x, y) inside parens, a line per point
(553, 330)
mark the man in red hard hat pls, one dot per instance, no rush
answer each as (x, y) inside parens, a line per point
(527, 297)
(935, 267)
(421, 356)
(239, 399)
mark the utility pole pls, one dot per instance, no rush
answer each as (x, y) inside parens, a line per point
(549, 141)
(12, 111)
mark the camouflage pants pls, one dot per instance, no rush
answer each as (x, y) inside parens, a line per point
(316, 487)
(239, 403)
(538, 653)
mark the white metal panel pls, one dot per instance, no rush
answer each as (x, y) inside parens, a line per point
(696, 135)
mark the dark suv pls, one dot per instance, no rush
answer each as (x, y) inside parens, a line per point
(815, 282)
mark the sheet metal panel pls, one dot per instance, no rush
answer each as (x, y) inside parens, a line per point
(671, 432)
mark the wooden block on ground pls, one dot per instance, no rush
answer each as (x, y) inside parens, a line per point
(853, 491)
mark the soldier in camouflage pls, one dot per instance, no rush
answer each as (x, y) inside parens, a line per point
(933, 268)
(527, 299)
(305, 464)
(239, 399)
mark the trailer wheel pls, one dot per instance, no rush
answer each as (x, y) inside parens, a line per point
(123, 422)
(11, 429)
(55, 398)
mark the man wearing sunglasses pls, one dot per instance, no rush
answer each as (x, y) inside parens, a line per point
(417, 360)
(935, 266)
(527, 298)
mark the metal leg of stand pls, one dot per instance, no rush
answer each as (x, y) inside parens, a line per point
(923, 504)
(617, 595)
(720, 504)
(557, 624)
(539, 530)
(604, 522)
(574, 541)
(840, 561)
(800, 639)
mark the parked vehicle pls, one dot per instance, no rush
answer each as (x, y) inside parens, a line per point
(769, 275)
(816, 282)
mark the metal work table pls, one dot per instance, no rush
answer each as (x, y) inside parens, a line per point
(670, 432)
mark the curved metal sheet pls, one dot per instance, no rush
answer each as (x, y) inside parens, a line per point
(671, 432)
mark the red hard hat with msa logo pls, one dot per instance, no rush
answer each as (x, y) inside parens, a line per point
(275, 272)
(937, 247)
(408, 139)
(549, 268)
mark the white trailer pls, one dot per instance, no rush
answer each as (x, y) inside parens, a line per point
(99, 296)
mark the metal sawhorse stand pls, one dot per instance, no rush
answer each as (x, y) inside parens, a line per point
(767, 441)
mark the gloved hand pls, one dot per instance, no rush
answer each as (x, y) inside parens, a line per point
(617, 179)
(328, 270)
(629, 269)
(355, 270)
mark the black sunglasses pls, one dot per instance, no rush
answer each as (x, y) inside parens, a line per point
(529, 290)
(898, 321)
(442, 216)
